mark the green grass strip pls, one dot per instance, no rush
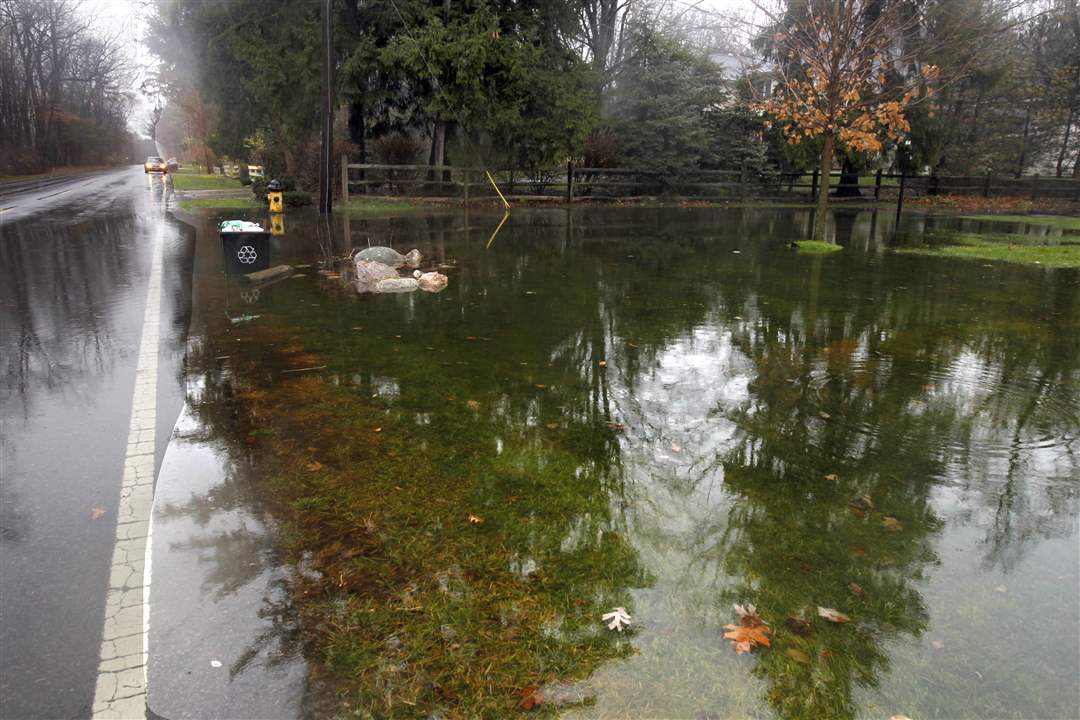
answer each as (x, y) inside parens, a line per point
(1054, 221)
(221, 204)
(184, 181)
(814, 247)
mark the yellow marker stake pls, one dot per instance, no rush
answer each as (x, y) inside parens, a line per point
(492, 181)
(497, 229)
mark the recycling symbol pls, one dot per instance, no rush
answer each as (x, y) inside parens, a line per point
(250, 296)
(246, 254)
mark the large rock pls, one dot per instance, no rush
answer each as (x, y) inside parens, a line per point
(381, 254)
(432, 282)
(369, 272)
(396, 285)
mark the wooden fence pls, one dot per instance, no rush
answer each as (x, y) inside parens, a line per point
(583, 183)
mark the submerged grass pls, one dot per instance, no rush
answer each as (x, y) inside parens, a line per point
(435, 580)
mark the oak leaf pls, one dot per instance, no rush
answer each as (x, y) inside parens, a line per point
(746, 638)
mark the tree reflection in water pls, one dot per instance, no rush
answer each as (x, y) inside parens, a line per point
(759, 416)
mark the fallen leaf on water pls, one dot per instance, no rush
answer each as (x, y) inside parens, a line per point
(750, 632)
(471, 337)
(473, 404)
(602, 363)
(378, 429)
(96, 512)
(531, 697)
(797, 625)
(250, 441)
(617, 619)
(541, 386)
(616, 426)
(832, 615)
(856, 588)
(890, 523)
(314, 466)
(631, 344)
(798, 655)
(552, 426)
(746, 638)
(832, 476)
(476, 519)
(675, 448)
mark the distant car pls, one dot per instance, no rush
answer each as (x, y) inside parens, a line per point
(155, 164)
(172, 164)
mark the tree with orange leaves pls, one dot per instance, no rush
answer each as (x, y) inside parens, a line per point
(834, 60)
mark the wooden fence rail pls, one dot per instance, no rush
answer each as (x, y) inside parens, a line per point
(577, 183)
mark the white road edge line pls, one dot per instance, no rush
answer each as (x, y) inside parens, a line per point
(121, 682)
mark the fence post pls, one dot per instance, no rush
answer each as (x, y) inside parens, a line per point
(877, 185)
(344, 178)
(900, 198)
(986, 186)
(1035, 187)
(813, 186)
(569, 181)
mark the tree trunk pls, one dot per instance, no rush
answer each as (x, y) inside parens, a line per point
(1024, 143)
(1065, 142)
(849, 179)
(821, 216)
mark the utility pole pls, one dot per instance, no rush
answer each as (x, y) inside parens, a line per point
(326, 191)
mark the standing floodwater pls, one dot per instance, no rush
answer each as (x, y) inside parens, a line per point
(672, 412)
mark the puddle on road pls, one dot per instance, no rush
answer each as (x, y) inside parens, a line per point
(893, 437)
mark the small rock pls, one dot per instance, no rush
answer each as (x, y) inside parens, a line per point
(413, 258)
(381, 254)
(432, 282)
(396, 285)
(369, 272)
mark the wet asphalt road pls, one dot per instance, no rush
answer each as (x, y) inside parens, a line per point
(74, 265)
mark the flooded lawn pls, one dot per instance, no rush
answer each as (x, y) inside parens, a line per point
(671, 412)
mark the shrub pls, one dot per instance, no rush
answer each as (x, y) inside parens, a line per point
(396, 149)
(296, 198)
(602, 148)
